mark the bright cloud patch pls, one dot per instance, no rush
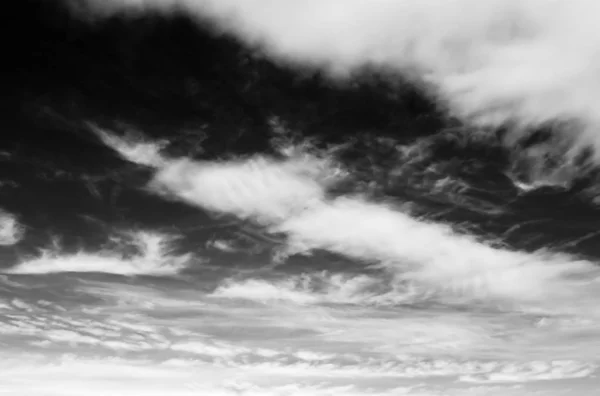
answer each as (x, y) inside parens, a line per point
(11, 231)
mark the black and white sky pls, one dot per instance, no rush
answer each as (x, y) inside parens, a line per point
(299, 197)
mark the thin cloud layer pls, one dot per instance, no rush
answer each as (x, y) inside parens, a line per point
(319, 288)
(342, 350)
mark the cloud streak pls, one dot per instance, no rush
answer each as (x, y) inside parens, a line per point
(432, 255)
(154, 256)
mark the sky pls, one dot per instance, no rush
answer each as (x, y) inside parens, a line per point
(300, 198)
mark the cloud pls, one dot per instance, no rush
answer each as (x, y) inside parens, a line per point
(430, 254)
(154, 257)
(319, 288)
(132, 147)
(119, 377)
(11, 231)
(260, 188)
(273, 347)
(522, 63)
(289, 198)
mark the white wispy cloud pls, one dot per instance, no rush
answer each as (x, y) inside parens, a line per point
(260, 188)
(132, 147)
(154, 257)
(316, 288)
(428, 253)
(289, 197)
